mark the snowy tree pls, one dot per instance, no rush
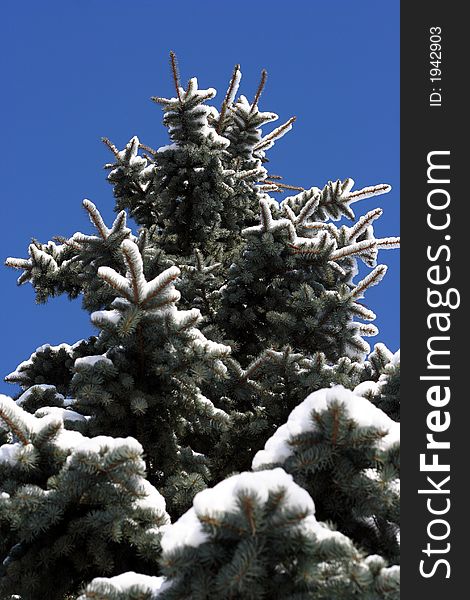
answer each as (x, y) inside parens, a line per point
(71, 507)
(227, 431)
(345, 451)
(256, 535)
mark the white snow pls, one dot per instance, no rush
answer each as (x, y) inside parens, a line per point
(210, 405)
(69, 401)
(124, 582)
(200, 342)
(278, 448)
(269, 140)
(153, 499)
(18, 375)
(101, 442)
(12, 411)
(192, 93)
(310, 525)
(63, 413)
(67, 440)
(43, 387)
(396, 359)
(367, 388)
(393, 571)
(234, 85)
(353, 248)
(105, 316)
(75, 445)
(77, 344)
(90, 361)
(382, 349)
(362, 194)
(39, 256)
(9, 453)
(186, 531)
(183, 317)
(134, 287)
(222, 498)
(129, 156)
(147, 173)
(168, 147)
(373, 278)
(63, 346)
(162, 284)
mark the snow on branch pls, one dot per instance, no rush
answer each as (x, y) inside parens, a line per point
(367, 192)
(268, 224)
(353, 249)
(191, 96)
(224, 498)
(16, 419)
(129, 157)
(134, 287)
(279, 447)
(372, 279)
(234, 85)
(363, 223)
(96, 218)
(229, 96)
(388, 243)
(117, 233)
(268, 141)
(125, 585)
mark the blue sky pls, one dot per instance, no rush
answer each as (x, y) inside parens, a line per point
(78, 70)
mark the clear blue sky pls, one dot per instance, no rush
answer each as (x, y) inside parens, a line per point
(74, 71)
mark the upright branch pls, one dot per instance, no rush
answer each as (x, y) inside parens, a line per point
(176, 75)
(233, 87)
(372, 279)
(111, 146)
(363, 223)
(259, 91)
(96, 218)
(229, 96)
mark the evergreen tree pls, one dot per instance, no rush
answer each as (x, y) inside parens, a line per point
(71, 507)
(384, 392)
(226, 326)
(345, 452)
(255, 535)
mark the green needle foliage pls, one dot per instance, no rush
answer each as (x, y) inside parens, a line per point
(346, 453)
(217, 322)
(71, 507)
(253, 536)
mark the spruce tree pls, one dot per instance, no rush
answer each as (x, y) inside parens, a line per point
(71, 507)
(227, 432)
